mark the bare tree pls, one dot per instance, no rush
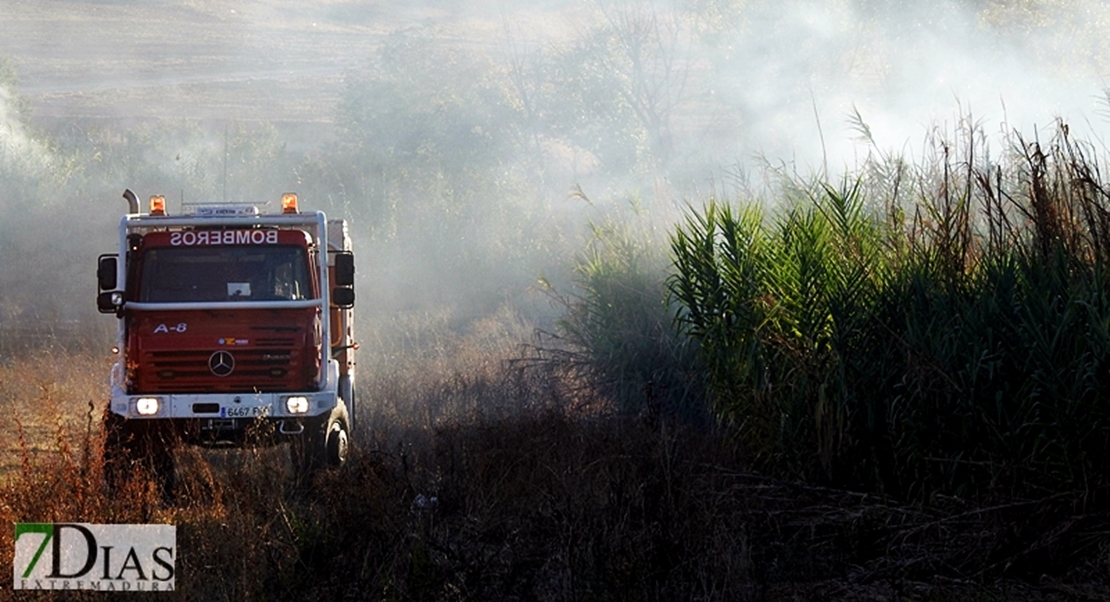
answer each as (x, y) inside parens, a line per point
(650, 52)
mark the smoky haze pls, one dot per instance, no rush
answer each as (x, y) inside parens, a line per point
(451, 133)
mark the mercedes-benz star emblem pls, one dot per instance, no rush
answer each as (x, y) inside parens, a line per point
(221, 363)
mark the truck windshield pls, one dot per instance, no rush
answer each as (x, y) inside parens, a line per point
(224, 273)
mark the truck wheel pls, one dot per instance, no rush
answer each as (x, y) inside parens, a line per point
(131, 448)
(322, 444)
(347, 392)
(337, 444)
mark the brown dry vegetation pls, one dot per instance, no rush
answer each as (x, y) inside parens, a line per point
(480, 476)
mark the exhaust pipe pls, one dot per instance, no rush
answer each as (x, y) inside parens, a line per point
(132, 201)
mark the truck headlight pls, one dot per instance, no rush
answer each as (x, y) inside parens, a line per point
(147, 406)
(297, 404)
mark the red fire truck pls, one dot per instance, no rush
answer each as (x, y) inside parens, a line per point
(234, 329)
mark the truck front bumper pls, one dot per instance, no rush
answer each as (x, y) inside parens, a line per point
(225, 406)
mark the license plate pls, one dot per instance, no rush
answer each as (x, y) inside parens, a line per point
(244, 411)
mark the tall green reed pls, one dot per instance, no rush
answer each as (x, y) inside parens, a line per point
(943, 334)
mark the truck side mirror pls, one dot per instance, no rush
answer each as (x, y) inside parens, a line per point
(344, 269)
(343, 297)
(106, 272)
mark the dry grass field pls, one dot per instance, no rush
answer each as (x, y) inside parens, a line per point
(199, 60)
(279, 61)
(478, 476)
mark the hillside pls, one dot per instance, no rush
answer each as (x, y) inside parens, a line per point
(278, 60)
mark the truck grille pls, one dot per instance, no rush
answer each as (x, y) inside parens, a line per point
(276, 366)
(273, 342)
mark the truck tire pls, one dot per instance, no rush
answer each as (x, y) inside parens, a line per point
(347, 392)
(337, 445)
(132, 448)
(324, 443)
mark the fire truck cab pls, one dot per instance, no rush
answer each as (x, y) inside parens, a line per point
(235, 328)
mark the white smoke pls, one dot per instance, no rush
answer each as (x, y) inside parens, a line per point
(20, 153)
(798, 71)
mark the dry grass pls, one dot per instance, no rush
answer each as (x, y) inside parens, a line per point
(475, 480)
(45, 399)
